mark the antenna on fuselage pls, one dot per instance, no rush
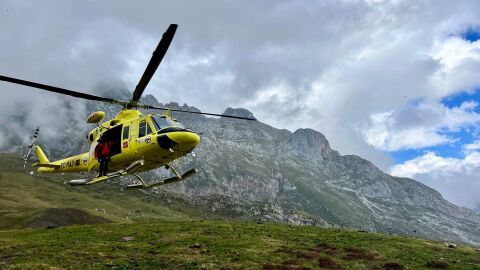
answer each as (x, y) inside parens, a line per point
(167, 112)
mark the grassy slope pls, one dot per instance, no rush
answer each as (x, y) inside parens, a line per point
(169, 240)
(23, 197)
(217, 244)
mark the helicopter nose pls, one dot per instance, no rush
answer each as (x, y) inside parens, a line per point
(179, 141)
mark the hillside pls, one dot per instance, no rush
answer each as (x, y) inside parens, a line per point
(223, 245)
(28, 200)
(252, 171)
(160, 231)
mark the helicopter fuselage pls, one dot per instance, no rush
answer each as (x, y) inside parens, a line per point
(156, 139)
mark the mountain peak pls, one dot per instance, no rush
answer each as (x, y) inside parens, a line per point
(115, 90)
(240, 112)
(309, 142)
(150, 100)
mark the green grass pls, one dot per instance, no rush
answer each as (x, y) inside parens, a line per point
(217, 244)
(165, 237)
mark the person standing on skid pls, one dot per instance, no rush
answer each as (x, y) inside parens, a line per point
(102, 153)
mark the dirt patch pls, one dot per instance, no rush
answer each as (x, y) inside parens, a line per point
(393, 266)
(357, 254)
(5, 260)
(324, 248)
(58, 217)
(328, 263)
(286, 265)
(311, 253)
(437, 264)
(307, 254)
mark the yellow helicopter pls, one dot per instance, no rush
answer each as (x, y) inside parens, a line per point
(137, 142)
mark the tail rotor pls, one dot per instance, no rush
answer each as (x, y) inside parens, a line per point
(30, 147)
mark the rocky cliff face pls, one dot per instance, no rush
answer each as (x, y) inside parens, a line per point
(250, 170)
(252, 162)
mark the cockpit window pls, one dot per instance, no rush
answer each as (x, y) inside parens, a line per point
(144, 128)
(161, 121)
(141, 128)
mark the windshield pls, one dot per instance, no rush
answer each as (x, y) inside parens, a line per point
(161, 121)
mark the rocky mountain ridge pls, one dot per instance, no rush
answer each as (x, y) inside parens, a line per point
(250, 170)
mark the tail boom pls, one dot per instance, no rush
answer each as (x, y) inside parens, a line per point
(78, 163)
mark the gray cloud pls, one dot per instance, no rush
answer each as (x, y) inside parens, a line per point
(326, 65)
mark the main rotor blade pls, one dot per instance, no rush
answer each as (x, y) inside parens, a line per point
(212, 114)
(59, 90)
(157, 57)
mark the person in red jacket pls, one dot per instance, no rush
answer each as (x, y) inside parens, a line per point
(102, 153)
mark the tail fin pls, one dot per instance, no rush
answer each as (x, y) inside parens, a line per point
(42, 159)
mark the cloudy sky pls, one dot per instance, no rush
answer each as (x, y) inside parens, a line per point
(396, 82)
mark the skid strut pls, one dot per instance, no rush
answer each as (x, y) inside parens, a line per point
(129, 169)
(170, 180)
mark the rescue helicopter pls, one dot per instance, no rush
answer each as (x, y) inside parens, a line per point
(138, 142)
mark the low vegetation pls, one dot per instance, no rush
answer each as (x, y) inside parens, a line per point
(222, 245)
(132, 231)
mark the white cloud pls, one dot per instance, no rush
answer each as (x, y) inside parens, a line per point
(327, 65)
(418, 126)
(472, 146)
(458, 59)
(308, 64)
(456, 178)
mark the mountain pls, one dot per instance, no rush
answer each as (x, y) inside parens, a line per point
(250, 170)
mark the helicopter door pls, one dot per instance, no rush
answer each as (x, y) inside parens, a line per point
(91, 156)
(113, 137)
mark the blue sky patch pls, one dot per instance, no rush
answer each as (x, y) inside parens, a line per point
(457, 99)
(452, 150)
(471, 35)
(464, 136)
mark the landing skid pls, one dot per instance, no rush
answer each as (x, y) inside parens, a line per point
(170, 180)
(129, 169)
